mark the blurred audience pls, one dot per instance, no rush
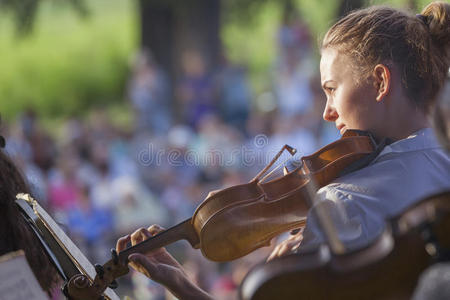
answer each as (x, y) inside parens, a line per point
(148, 91)
(103, 181)
(195, 89)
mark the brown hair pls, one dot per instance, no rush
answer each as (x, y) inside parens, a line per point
(417, 45)
(15, 233)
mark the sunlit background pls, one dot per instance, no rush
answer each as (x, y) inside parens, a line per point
(127, 113)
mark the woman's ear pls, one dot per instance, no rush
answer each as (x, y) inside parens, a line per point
(382, 81)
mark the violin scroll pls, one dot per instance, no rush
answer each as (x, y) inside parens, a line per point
(80, 287)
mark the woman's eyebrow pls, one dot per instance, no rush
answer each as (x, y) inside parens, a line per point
(325, 83)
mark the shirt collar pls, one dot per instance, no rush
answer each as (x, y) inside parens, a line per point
(419, 140)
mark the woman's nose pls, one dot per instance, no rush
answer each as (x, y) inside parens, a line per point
(329, 113)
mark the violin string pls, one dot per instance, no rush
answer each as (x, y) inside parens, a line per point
(278, 174)
(274, 160)
(270, 173)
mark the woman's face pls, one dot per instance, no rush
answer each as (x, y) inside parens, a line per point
(351, 102)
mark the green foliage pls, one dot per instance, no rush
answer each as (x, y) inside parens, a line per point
(67, 64)
(319, 15)
(253, 42)
(24, 12)
(418, 5)
(249, 29)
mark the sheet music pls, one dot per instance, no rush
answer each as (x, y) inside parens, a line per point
(17, 281)
(82, 263)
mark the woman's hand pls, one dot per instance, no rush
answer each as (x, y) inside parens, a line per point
(288, 246)
(160, 266)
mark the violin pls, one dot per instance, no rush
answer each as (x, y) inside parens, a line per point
(386, 269)
(235, 221)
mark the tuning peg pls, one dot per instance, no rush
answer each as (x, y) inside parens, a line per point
(115, 256)
(113, 285)
(100, 271)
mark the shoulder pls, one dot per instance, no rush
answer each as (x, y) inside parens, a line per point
(402, 174)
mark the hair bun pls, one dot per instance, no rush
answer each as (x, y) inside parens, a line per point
(437, 16)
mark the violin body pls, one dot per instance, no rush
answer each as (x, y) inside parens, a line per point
(235, 221)
(387, 269)
(238, 227)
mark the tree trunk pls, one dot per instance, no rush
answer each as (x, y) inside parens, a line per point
(169, 28)
(157, 27)
(347, 6)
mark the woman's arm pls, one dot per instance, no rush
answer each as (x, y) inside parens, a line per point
(161, 267)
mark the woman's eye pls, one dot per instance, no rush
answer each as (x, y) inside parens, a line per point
(330, 89)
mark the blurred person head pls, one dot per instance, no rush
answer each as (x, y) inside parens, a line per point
(193, 64)
(180, 137)
(100, 157)
(72, 131)
(143, 61)
(99, 124)
(15, 233)
(43, 148)
(28, 122)
(68, 163)
(382, 68)
(259, 123)
(210, 125)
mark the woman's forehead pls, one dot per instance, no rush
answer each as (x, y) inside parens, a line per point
(334, 65)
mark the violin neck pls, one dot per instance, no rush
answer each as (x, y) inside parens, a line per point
(183, 230)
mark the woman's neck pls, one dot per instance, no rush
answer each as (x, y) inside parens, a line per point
(403, 121)
(406, 123)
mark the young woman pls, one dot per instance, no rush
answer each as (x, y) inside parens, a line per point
(381, 70)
